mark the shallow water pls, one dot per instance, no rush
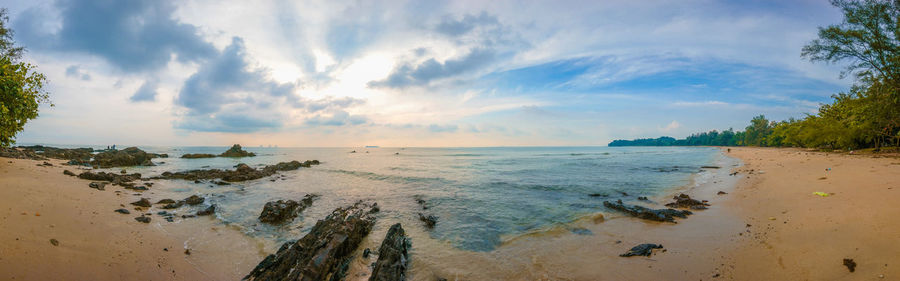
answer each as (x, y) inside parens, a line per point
(480, 195)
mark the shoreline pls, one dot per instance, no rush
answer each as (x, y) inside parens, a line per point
(807, 240)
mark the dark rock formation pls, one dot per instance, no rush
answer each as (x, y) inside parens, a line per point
(143, 219)
(850, 264)
(69, 173)
(122, 211)
(97, 185)
(78, 154)
(325, 252)
(175, 205)
(208, 211)
(17, 153)
(643, 198)
(684, 201)
(236, 151)
(722, 193)
(131, 156)
(198, 155)
(421, 201)
(641, 250)
(194, 200)
(393, 256)
(111, 177)
(242, 172)
(281, 211)
(667, 215)
(165, 201)
(429, 220)
(142, 203)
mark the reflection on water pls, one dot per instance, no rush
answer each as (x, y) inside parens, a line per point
(478, 194)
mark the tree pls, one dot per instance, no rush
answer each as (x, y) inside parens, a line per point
(21, 87)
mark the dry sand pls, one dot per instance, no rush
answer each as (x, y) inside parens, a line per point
(793, 234)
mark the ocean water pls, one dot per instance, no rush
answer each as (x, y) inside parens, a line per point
(480, 195)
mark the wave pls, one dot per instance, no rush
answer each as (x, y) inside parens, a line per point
(389, 178)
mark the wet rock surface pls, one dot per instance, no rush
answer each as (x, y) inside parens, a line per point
(429, 220)
(393, 256)
(131, 156)
(641, 250)
(97, 185)
(122, 211)
(421, 201)
(194, 200)
(208, 211)
(236, 151)
(143, 219)
(665, 215)
(281, 211)
(686, 202)
(142, 203)
(69, 173)
(325, 252)
(242, 172)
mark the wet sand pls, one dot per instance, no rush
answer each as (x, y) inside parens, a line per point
(807, 240)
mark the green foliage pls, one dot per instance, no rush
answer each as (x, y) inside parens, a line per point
(869, 114)
(21, 88)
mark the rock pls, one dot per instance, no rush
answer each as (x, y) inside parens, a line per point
(110, 177)
(175, 205)
(54, 242)
(322, 254)
(242, 172)
(685, 201)
(667, 215)
(710, 167)
(131, 156)
(222, 183)
(20, 153)
(140, 188)
(281, 211)
(69, 173)
(165, 201)
(597, 195)
(366, 253)
(641, 250)
(194, 200)
(122, 211)
(143, 219)
(187, 252)
(236, 151)
(142, 203)
(198, 155)
(643, 198)
(208, 211)
(393, 256)
(722, 193)
(98, 185)
(429, 220)
(421, 201)
(850, 264)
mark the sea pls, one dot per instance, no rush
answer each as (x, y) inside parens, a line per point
(482, 197)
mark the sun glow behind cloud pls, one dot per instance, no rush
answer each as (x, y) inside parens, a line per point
(417, 73)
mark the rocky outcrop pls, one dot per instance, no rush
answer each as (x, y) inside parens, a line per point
(208, 211)
(686, 202)
(325, 252)
(198, 155)
(69, 173)
(194, 200)
(281, 211)
(97, 185)
(429, 220)
(11, 152)
(393, 256)
(242, 172)
(666, 215)
(142, 203)
(641, 250)
(236, 151)
(110, 177)
(131, 156)
(81, 154)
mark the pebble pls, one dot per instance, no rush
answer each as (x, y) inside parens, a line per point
(54, 242)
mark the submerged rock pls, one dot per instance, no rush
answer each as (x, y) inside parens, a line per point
(236, 151)
(429, 220)
(685, 201)
(667, 215)
(393, 256)
(281, 211)
(194, 200)
(641, 250)
(322, 254)
(421, 201)
(131, 156)
(197, 155)
(208, 211)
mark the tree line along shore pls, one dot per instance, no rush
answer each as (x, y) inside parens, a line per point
(867, 116)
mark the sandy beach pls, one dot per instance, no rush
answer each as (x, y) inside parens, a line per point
(769, 226)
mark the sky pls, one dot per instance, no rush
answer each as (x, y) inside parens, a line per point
(416, 73)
